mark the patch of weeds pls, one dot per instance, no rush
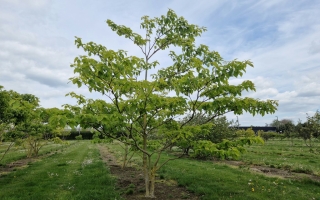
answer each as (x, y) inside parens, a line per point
(184, 196)
(141, 190)
(30, 184)
(287, 167)
(131, 185)
(3, 175)
(272, 166)
(129, 191)
(180, 185)
(302, 170)
(61, 164)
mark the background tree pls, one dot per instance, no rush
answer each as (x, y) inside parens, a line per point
(221, 140)
(309, 129)
(23, 122)
(15, 115)
(289, 130)
(142, 107)
(4, 107)
(282, 124)
(6, 118)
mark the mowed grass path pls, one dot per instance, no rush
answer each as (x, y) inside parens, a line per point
(212, 180)
(75, 173)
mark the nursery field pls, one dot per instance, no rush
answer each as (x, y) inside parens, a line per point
(78, 171)
(256, 176)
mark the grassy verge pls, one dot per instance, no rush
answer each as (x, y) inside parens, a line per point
(217, 181)
(284, 154)
(17, 153)
(76, 173)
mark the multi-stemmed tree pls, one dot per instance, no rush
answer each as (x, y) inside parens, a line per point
(140, 106)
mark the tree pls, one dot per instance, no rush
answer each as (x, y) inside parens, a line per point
(310, 129)
(4, 107)
(23, 122)
(221, 140)
(282, 125)
(141, 107)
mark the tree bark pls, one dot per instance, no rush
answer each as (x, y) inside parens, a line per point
(152, 182)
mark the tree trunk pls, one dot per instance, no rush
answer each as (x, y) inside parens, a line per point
(126, 149)
(145, 166)
(9, 147)
(152, 182)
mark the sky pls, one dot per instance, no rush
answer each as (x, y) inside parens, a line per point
(280, 37)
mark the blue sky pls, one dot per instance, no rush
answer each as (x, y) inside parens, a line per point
(281, 38)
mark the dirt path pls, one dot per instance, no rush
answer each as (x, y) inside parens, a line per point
(131, 183)
(16, 164)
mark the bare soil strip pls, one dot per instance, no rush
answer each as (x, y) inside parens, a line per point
(131, 183)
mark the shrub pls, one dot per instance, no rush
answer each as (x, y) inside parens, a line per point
(79, 137)
(267, 135)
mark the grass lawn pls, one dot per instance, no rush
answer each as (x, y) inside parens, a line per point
(16, 153)
(283, 155)
(75, 173)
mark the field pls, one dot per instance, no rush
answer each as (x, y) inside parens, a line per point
(276, 170)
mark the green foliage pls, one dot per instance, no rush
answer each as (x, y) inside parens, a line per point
(245, 133)
(97, 138)
(310, 129)
(224, 150)
(57, 140)
(86, 134)
(221, 128)
(79, 137)
(267, 135)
